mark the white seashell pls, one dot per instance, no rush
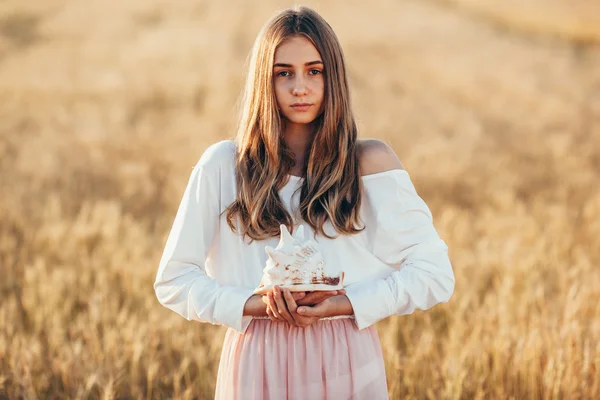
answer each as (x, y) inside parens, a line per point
(297, 264)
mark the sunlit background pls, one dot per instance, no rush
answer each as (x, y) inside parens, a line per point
(493, 106)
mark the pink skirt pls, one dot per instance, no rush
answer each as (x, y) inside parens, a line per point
(330, 359)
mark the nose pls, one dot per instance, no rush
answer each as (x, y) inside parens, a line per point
(299, 87)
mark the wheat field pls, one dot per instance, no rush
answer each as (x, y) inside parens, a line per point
(493, 110)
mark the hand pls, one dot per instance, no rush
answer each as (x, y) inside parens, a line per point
(272, 308)
(282, 307)
(333, 306)
(316, 297)
(255, 305)
(276, 310)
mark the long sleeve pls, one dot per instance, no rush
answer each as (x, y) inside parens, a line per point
(400, 233)
(182, 284)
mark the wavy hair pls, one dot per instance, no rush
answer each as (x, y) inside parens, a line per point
(331, 189)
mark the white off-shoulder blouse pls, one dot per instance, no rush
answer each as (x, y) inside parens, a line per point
(396, 265)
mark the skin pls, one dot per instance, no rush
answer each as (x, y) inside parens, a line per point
(298, 78)
(281, 306)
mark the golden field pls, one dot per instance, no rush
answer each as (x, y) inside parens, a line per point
(105, 108)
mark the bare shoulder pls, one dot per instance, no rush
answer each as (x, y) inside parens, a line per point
(376, 156)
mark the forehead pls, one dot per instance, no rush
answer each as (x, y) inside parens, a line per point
(296, 50)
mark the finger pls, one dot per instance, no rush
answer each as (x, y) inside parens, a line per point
(303, 322)
(282, 306)
(316, 297)
(326, 294)
(270, 315)
(298, 295)
(311, 298)
(320, 310)
(300, 321)
(273, 306)
(265, 299)
(290, 302)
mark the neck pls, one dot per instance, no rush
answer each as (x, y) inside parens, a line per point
(298, 137)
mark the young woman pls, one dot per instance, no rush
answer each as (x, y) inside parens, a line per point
(297, 161)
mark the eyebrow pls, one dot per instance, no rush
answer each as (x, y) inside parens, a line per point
(290, 65)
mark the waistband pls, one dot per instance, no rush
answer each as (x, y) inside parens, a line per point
(320, 319)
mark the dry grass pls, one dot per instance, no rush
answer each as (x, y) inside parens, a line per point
(105, 108)
(574, 20)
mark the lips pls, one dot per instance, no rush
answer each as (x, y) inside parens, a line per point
(301, 106)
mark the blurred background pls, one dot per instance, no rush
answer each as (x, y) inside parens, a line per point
(493, 106)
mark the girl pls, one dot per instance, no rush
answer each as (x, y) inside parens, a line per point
(296, 161)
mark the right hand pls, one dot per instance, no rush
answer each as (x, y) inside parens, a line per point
(316, 297)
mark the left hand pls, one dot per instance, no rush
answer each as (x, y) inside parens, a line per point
(331, 307)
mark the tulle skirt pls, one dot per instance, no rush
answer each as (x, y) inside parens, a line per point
(330, 359)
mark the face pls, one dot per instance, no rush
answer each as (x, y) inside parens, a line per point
(298, 80)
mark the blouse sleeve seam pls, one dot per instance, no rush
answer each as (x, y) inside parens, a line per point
(388, 172)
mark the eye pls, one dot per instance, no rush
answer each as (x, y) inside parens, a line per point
(314, 72)
(283, 72)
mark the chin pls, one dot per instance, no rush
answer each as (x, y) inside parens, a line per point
(306, 119)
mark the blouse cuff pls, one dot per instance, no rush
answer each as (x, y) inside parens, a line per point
(372, 301)
(229, 308)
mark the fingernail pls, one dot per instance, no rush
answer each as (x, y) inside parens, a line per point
(301, 310)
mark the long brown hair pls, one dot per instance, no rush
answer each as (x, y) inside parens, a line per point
(331, 189)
